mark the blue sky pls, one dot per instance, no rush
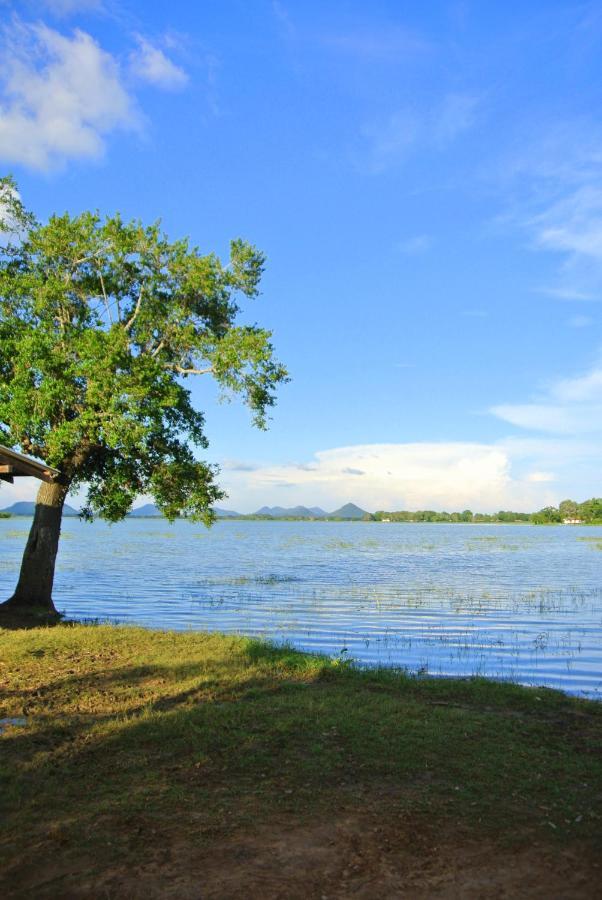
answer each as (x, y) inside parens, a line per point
(426, 181)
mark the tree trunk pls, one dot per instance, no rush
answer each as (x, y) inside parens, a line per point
(34, 590)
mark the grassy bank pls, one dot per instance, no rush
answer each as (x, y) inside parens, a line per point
(151, 752)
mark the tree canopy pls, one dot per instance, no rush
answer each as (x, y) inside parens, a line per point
(102, 324)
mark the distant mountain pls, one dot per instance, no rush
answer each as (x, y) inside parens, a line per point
(149, 510)
(348, 511)
(225, 513)
(298, 512)
(270, 511)
(27, 508)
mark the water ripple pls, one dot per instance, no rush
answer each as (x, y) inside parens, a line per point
(504, 601)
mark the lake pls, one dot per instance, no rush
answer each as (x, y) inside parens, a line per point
(506, 601)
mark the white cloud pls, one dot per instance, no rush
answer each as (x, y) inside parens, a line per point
(520, 473)
(59, 97)
(517, 473)
(450, 475)
(150, 64)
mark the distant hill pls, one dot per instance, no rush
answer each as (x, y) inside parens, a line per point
(348, 511)
(148, 511)
(298, 512)
(27, 508)
(225, 513)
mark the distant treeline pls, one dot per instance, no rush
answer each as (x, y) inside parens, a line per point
(429, 515)
(589, 513)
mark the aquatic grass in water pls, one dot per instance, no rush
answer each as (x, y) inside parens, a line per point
(594, 542)
(504, 601)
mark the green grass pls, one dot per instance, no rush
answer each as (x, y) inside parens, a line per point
(189, 730)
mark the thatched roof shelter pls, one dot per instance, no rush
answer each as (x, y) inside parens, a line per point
(13, 464)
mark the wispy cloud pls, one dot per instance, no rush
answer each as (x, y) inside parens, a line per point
(456, 114)
(475, 313)
(580, 321)
(150, 64)
(369, 41)
(557, 184)
(64, 8)
(570, 406)
(389, 142)
(283, 18)
(376, 44)
(573, 225)
(567, 293)
(414, 246)
(235, 465)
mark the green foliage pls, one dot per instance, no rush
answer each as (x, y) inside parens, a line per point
(589, 512)
(102, 323)
(549, 515)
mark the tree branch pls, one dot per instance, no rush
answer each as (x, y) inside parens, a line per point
(106, 299)
(132, 319)
(182, 371)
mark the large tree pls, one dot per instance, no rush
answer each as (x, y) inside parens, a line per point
(102, 324)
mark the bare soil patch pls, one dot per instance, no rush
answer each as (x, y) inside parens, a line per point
(353, 855)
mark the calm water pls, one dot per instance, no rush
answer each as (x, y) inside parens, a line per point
(507, 601)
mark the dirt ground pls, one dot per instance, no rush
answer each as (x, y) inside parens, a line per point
(354, 856)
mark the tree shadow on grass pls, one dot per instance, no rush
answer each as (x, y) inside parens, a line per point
(179, 754)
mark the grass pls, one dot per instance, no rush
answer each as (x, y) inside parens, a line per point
(132, 733)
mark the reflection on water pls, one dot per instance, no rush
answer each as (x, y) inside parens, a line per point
(505, 601)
